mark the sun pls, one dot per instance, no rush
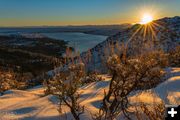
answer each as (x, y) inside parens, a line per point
(146, 18)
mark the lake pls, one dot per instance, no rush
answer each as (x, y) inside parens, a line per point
(80, 41)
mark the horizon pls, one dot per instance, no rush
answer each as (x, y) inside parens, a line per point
(54, 26)
(44, 26)
(20, 13)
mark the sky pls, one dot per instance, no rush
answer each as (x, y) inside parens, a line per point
(82, 12)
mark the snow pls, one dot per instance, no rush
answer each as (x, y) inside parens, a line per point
(167, 33)
(31, 104)
(168, 91)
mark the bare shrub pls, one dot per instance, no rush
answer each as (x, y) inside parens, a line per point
(141, 72)
(65, 86)
(92, 77)
(174, 57)
(7, 81)
(155, 111)
(47, 85)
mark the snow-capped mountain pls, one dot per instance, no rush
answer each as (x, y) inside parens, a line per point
(163, 33)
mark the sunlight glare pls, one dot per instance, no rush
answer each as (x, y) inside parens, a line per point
(147, 18)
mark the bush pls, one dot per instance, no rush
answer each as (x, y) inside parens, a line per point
(7, 81)
(174, 57)
(141, 72)
(92, 77)
(65, 86)
(150, 112)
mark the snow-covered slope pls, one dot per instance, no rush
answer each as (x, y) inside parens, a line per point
(32, 105)
(163, 33)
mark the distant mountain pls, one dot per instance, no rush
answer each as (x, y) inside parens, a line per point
(163, 33)
(106, 30)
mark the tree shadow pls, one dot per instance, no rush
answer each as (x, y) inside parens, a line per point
(25, 110)
(102, 84)
(97, 103)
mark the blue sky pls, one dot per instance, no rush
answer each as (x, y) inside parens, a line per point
(82, 12)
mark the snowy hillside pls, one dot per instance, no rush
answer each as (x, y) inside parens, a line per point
(163, 33)
(33, 105)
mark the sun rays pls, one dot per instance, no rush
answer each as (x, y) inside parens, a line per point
(146, 32)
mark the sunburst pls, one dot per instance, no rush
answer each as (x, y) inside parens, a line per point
(146, 18)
